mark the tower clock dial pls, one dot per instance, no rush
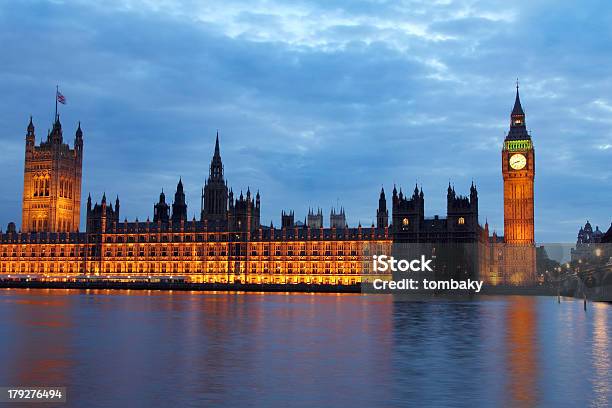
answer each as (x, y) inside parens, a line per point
(518, 161)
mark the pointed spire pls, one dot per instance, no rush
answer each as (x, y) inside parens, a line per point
(179, 186)
(31, 126)
(517, 109)
(217, 153)
(79, 132)
(518, 130)
(104, 198)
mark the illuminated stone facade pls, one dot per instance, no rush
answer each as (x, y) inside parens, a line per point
(189, 251)
(52, 182)
(228, 244)
(518, 170)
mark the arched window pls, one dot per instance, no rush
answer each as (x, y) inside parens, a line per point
(47, 186)
(461, 221)
(35, 189)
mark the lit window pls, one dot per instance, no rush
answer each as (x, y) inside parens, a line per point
(461, 221)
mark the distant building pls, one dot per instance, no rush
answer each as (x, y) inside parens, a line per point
(589, 242)
(337, 219)
(315, 220)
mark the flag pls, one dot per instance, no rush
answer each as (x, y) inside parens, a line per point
(61, 98)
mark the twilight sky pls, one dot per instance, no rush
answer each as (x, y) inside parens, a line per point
(317, 103)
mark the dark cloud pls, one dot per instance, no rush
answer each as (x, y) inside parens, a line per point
(317, 104)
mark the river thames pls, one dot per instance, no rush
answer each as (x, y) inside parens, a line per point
(155, 348)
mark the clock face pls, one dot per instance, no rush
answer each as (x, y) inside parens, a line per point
(518, 161)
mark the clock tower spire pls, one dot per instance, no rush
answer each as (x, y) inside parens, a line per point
(518, 170)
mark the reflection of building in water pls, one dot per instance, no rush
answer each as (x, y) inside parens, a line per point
(601, 357)
(521, 352)
(43, 358)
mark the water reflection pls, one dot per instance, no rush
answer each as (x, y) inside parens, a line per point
(152, 348)
(601, 357)
(521, 352)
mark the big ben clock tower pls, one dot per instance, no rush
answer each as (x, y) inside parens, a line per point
(518, 169)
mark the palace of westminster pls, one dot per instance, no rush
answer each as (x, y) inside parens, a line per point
(228, 244)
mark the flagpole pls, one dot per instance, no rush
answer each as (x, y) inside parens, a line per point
(56, 92)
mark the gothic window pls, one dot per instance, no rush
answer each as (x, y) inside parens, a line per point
(35, 192)
(47, 186)
(461, 221)
(61, 194)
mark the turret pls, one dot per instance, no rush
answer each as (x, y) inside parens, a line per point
(382, 214)
(30, 137)
(179, 206)
(215, 195)
(56, 136)
(337, 219)
(78, 140)
(287, 219)
(315, 220)
(161, 209)
(473, 194)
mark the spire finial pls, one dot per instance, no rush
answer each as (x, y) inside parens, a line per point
(217, 144)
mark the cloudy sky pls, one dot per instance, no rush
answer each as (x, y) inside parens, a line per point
(317, 103)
